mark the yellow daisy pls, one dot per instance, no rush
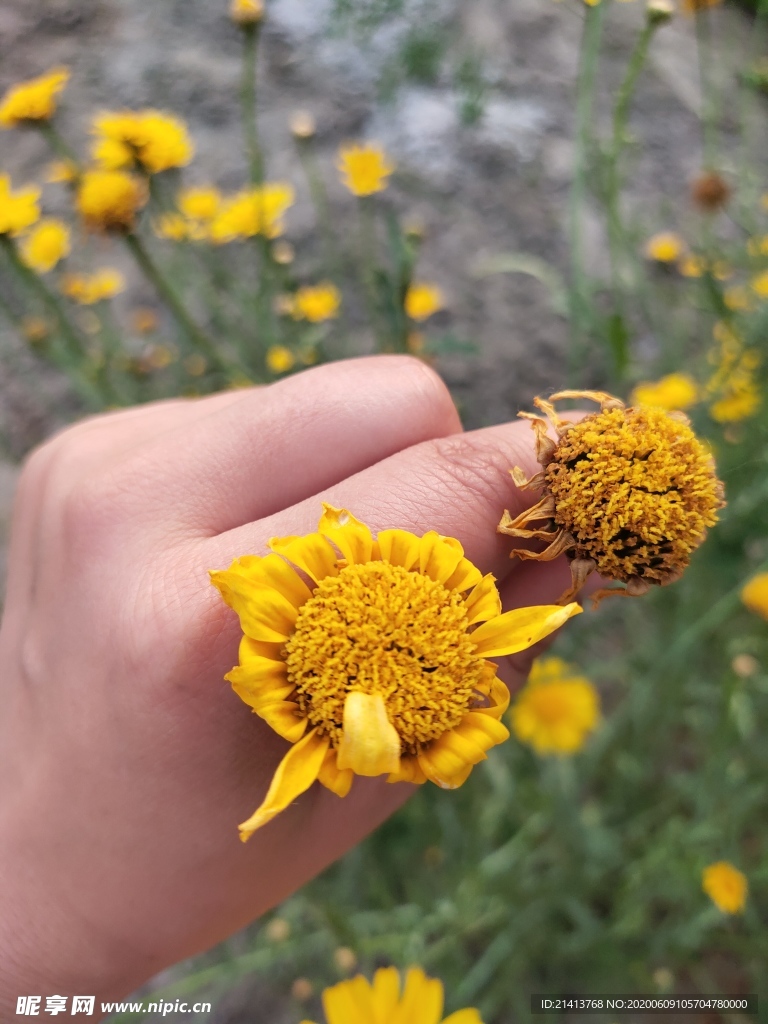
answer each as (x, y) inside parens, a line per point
(380, 665)
(422, 300)
(110, 200)
(316, 302)
(359, 1001)
(256, 211)
(47, 243)
(18, 210)
(675, 391)
(364, 169)
(151, 139)
(557, 709)
(279, 359)
(665, 247)
(726, 886)
(88, 289)
(754, 594)
(33, 100)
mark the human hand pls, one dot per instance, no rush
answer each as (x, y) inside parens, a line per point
(126, 762)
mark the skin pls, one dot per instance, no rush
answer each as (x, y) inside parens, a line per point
(126, 762)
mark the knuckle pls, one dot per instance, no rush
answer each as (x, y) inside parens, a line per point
(472, 469)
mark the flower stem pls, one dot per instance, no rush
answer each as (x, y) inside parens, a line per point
(368, 267)
(168, 294)
(57, 143)
(251, 35)
(704, 52)
(585, 92)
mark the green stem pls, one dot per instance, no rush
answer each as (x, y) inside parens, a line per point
(251, 35)
(368, 267)
(322, 206)
(704, 53)
(585, 92)
(167, 293)
(58, 144)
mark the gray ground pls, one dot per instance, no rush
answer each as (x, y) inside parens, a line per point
(500, 185)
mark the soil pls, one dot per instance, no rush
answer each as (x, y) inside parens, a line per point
(499, 185)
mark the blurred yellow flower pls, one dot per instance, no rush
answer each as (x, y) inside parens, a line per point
(726, 886)
(256, 211)
(61, 172)
(692, 6)
(33, 100)
(693, 265)
(246, 12)
(557, 709)
(144, 320)
(171, 225)
(196, 364)
(279, 359)
(675, 391)
(422, 300)
(359, 1001)
(199, 203)
(754, 594)
(317, 302)
(151, 139)
(758, 246)
(109, 200)
(45, 245)
(664, 247)
(364, 168)
(759, 284)
(88, 289)
(738, 404)
(738, 299)
(733, 384)
(18, 210)
(35, 329)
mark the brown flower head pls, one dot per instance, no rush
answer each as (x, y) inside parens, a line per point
(629, 492)
(710, 191)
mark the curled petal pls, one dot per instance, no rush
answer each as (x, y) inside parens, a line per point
(313, 554)
(339, 782)
(295, 774)
(370, 744)
(499, 700)
(519, 629)
(409, 771)
(483, 601)
(349, 535)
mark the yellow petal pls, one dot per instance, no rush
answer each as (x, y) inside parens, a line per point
(370, 744)
(488, 674)
(441, 778)
(440, 763)
(265, 592)
(499, 701)
(422, 1001)
(466, 575)
(482, 730)
(284, 717)
(519, 629)
(409, 771)
(399, 547)
(386, 994)
(263, 691)
(350, 536)
(439, 556)
(349, 1002)
(258, 649)
(483, 601)
(339, 782)
(312, 554)
(464, 1017)
(295, 774)
(273, 571)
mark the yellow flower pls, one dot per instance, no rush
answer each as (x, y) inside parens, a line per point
(754, 594)
(90, 288)
(675, 391)
(246, 12)
(738, 404)
(665, 247)
(45, 245)
(759, 284)
(109, 200)
(738, 299)
(364, 168)
(692, 6)
(151, 139)
(317, 303)
(693, 265)
(279, 359)
(726, 886)
(33, 100)
(359, 1001)
(171, 225)
(18, 210)
(733, 382)
(61, 172)
(257, 211)
(422, 300)
(378, 666)
(557, 709)
(201, 203)
(627, 492)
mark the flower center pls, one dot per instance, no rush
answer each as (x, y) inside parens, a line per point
(636, 490)
(378, 628)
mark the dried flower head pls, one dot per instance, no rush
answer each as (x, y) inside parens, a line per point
(726, 886)
(423, 300)
(18, 210)
(365, 169)
(33, 100)
(710, 191)
(246, 12)
(359, 1001)
(379, 664)
(659, 11)
(110, 200)
(46, 244)
(149, 139)
(629, 492)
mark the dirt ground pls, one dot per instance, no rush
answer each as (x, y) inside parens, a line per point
(500, 185)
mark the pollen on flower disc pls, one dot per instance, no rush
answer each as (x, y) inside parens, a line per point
(636, 490)
(378, 628)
